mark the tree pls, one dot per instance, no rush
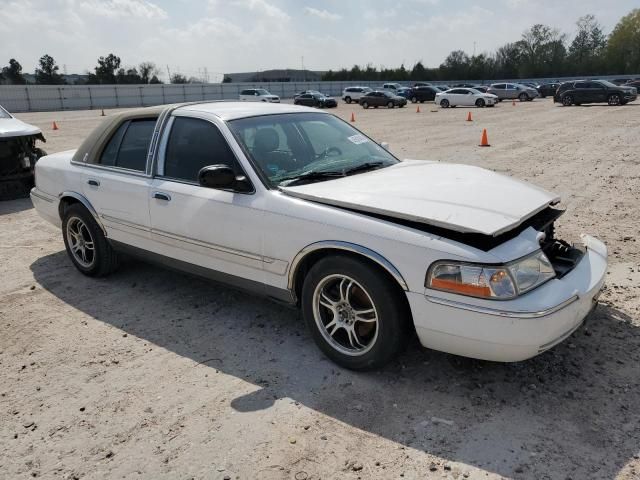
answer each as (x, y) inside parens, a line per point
(178, 78)
(455, 66)
(48, 74)
(128, 76)
(13, 73)
(507, 61)
(623, 48)
(588, 46)
(106, 69)
(155, 80)
(148, 70)
(542, 51)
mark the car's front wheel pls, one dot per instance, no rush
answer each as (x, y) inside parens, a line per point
(365, 104)
(414, 99)
(86, 244)
(614, 99)
(347, 99)
(390, 105)
(444, 103)
(523, 97)
(480, 103)
(356, 316)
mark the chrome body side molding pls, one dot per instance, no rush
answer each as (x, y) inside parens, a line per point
(348, 247)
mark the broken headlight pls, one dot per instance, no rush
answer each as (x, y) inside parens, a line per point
(498, 282)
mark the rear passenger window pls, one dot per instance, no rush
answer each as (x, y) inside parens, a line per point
(128, 147)
(192, 145)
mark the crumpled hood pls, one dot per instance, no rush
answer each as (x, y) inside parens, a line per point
(12, 127)
(463, 198)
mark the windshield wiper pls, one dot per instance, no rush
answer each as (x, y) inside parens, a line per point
(363, 167)
(311, 176)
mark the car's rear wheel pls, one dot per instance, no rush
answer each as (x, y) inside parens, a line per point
(390, 105)
(86, 244)
(523, 97)
(614, 99)
(414, 99)
(356, 315)
(347, 99)
(365, 104)
(480, 103)
(444, 103)
(567, 100)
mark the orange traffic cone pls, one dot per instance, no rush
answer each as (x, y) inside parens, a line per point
(469, 117)
(418, 109)
(484, 142)
(102, 114)
(513, 103)
(353, 117)
(55, 127)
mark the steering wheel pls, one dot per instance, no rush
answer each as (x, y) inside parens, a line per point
(331, 151)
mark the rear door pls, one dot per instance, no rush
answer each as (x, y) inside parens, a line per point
(598, 92)
(499, 89)
(117, 185)
(581, 93)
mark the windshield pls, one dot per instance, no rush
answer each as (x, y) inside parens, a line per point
(4, 113)
(286, 146)
(474, 91)
(262, 92)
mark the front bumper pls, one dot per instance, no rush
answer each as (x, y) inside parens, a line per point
(512, 330)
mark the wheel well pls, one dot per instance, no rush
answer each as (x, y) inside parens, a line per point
(312, 258)
(66, 202)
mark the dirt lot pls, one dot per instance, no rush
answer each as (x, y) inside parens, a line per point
(151, 374)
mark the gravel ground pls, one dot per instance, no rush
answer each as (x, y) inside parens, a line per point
(153, 374)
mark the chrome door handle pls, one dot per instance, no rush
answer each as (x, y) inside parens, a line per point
(93, 183)
(161, 196)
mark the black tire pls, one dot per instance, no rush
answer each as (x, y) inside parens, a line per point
(414, 99)
(444, 103)
(567, 101)
(347, 99)
(104, 259)
(365, 104)
(390, 105)
(614, 100)
(480, 103)
(390, 309)
(523, 97)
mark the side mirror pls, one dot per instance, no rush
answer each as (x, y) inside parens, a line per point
(222, 177)
(385, 145)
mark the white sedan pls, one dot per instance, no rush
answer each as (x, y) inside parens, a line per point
(298, 205)
(467, 97)
(258, 95)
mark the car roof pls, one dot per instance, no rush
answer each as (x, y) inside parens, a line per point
(235, 110)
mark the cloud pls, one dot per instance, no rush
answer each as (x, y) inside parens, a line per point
(323, 14)
(134, 9)
(262, 7)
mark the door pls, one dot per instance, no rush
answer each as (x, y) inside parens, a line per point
(511, 91)
(598, 92)
(220, 230)
(117, 185)
(580, 92)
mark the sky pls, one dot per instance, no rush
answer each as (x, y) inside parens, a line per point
(222, 36)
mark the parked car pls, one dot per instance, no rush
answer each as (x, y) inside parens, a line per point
(423, 94)
(465, 97)
(351, 94)
(422, 84)
(375, 247)
(379, 98)
(18, 155)
(464, 85)
(404, 92)
(633, 83)
(594, 91)
(312, 92)
(512, 91)
(619, 81)
(547, 89)
(315, 100)
(392, 87)
(481, 88)
(258, 95)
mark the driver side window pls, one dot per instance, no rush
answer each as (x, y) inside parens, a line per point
(192, 144)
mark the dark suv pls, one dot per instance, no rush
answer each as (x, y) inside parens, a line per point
(594, 91)
(422, 94)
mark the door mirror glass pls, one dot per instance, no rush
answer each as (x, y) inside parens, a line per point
(217, 176)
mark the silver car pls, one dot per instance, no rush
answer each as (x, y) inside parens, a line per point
(512, 91)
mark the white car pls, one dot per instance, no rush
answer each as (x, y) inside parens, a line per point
(18, 154)
(296, 204)
(392, 87)
(467, 97)
(258, 95)
(353, 94)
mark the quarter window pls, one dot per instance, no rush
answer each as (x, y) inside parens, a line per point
(193, 144)
(129, 146)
